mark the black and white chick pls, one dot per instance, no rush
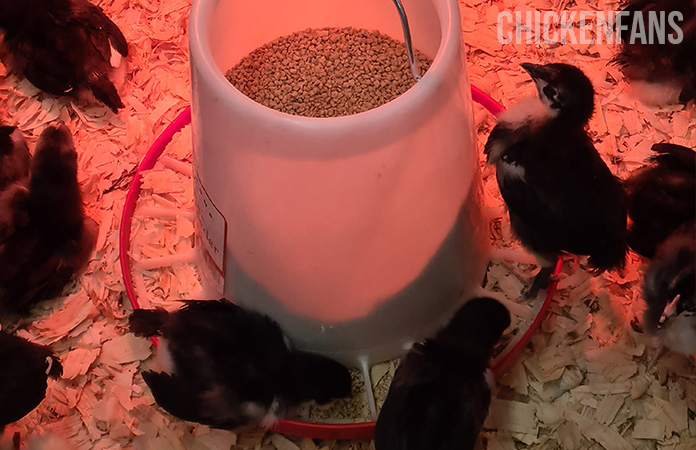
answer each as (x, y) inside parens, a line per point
(560, 194)
(226, 367)
(24, 372)
(661, 73)
(669, 290)
(440, 394)
(661, 197)
(65, 47)
(55, 239)
(14, 156)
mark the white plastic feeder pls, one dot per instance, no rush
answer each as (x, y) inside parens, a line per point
(357, 234)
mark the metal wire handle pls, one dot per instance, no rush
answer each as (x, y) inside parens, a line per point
(407, 39)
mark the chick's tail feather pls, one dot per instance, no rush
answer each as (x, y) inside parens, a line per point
(612, 256)
(147, 322)
(104, 90)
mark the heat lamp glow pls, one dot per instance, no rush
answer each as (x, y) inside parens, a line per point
(357, 234)
(588, 378)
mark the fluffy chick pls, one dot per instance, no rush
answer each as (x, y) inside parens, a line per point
(226, 367)
(64, 47)
(440, 393)
(661, 73)
(560, 194)
(14, 156)
(13, 212)
(14, 173)
(669, 290)
(39, 258)
(661, 197)
(23, 373)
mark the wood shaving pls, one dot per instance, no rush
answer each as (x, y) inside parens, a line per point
(588, 362)
(582, 382)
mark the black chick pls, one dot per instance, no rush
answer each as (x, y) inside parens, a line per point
(662, 73)
(661, 197)
(440, 394)
(39, 258)
(13, 212)
(23, 374)
(64, 47)
(669, 290)
(14, 156)
(560, 195)
(14, 173)
(226, 367)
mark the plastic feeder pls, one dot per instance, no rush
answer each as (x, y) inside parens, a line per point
(357, 234)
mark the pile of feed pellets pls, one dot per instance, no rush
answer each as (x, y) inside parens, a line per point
(327, 72)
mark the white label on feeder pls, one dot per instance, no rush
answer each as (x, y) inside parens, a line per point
(212, 229)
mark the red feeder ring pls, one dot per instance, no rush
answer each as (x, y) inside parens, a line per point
(312, 430)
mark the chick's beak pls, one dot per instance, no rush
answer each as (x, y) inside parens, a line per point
(536, 71)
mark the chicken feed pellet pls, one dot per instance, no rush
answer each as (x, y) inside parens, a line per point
(327, 72)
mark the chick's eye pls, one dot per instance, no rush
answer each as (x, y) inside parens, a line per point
(550, 92)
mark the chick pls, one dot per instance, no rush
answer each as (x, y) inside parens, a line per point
(14, 156)
(440, 393)
(23, 374)
(13, 212)
(661, 197)
(38, 259)
(661, 73)
(560, 194)
(669, 290)
(226, 367)
(64, 47)
(14, 173)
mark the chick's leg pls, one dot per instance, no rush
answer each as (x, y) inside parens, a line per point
(545, 276)
(661, 350)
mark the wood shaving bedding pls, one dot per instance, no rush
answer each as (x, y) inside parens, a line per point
(586, 374)
(584, 383)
